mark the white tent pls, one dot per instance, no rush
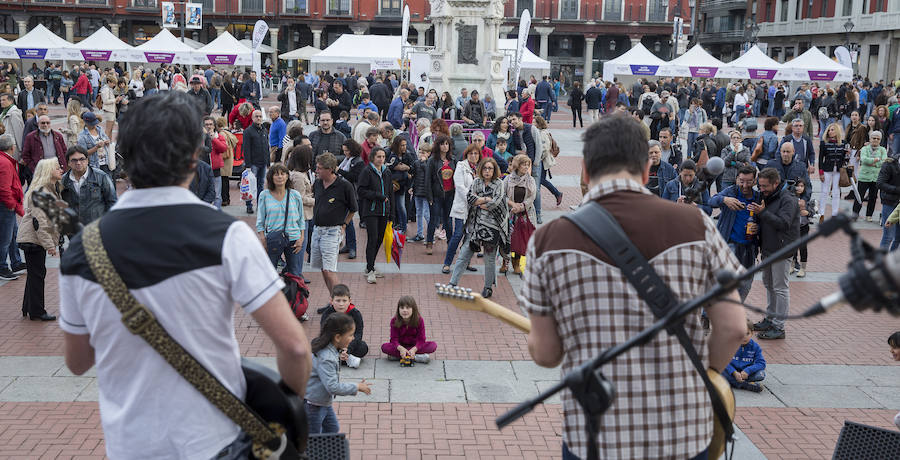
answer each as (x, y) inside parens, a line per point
(165, 48)
(696, 63)
(814, 66)
(102, 45)
(375, 51)
(41, 43)
(6, 50)
(191, 42)
(636, 61)
(227, 50)
(304, 53)
(263, 48)
(529, 59)
(753, 65)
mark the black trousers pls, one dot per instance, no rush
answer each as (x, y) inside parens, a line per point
(802, 250)
(872, 189)
(358, 348)
(576, 112)
(35, 263)
(375, 226)
(226, 191)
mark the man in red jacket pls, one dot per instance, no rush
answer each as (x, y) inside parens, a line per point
(11, 196)
(526, 107)
(44, 143)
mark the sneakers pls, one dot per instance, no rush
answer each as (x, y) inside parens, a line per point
(344, 250)
(19, 268)
(352, 254)
(418, 238)
(353, 361)
(429, 248)
(750, 386)
(445, 269)
(440, 234)
(370, 277)
(763, 325)
(559, 199)
(487, 293)
(771, 334)
(6, 274)
(423, 358)
(378, 274)
(393, 358)
(304, 317)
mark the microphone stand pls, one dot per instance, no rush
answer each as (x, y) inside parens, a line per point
(595, 393)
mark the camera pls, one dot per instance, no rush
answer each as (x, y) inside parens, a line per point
(791, 186)
(694, 193)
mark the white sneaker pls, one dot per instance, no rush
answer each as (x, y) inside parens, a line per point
(353, 361)
(423, 358)
(378, 274)
(370, 277)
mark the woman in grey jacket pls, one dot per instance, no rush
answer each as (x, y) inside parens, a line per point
(329, 349)
(735, 156)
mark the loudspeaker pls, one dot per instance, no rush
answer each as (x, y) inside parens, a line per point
(863, 442)
(328, 446)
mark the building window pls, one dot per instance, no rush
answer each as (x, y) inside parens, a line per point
(54, 23)
(568, 9)
(84, 27)
(339, 7)
(144, 3)
(209, 6)
(48, 1)
(8, 25)
(92, 2)
(296, 6)
(612, 10)
(784, 10)
(657, 11)
(390, 7)
(848, 5)
(522, 5)
(824, 11)
(248, 6)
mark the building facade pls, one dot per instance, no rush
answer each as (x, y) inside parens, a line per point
(721, 27)
(871, 27)
(576, 36)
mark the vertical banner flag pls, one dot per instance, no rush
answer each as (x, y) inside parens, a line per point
(404, 29)
(524, 27)
(194, 16)
(168, 15)
(260, 29)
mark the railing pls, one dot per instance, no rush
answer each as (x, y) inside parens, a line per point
(726, 35)
(144, 3)
(718, 4)
(339, 7)
(48, 1)
(93, 2)
(296, 6)
(863, 23)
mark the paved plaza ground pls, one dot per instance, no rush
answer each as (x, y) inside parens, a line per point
(829, 369)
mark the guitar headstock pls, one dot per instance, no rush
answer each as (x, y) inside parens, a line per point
(462, 298)
(58, 212)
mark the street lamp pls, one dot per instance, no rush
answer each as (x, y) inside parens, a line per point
(848, 26)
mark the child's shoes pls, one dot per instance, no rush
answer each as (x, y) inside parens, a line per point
(754, 387)
(353, 361)
(423, 358)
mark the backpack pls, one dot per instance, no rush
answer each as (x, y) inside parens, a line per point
(99, 101)
(554, 147)
(647, 105)
(296, 292)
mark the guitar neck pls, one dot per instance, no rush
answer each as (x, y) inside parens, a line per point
(506, 315)
(465, 299)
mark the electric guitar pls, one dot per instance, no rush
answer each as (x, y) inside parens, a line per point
(267, 395)
(466, 299)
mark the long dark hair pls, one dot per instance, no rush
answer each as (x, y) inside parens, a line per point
(336, 324)
(436, 143)
(407, 301)
(395, 146)
(497, 124)
(277, 168)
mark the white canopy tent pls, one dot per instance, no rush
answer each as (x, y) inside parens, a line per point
(636, 61)
(529, 59)
(374, 51)
(191, 42)
(814, 66)
(696, 63)
(263, 48)
(753, 65)
(304, 53)
(40, 43)
(102, 45)
(226, 50)
(165, 48)
(6, 50)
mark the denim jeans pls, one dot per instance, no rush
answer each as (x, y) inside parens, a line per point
(260, 173)
(8, 231)
(293, 262)
(350, 235)
(217, 185)
(889, 235)
(440, 213)
(547, 110)
(770, 110)
(549, 185)
(756, 105)
(453, 243)
(490, 264)
(746, 255)
(423, 215)
(237, 450)
(322, 419)
(400, 209)
(691, 139)
(216, 95)
(757, 376)
(895, 145)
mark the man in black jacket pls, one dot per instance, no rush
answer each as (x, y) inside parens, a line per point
(326, 138)
(381, 96)
(293, 102)
(203, 184)
(889, 184)
(256, 153)
(338, 100)
(251, 90)
(30, 96)
(778, 217)
(201, 95)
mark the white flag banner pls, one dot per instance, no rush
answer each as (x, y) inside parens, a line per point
(404, 29)
(524, 27)
(194, 16)
(168, 15)
(260, 29)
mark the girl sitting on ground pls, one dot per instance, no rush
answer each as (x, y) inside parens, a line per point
(408, 334)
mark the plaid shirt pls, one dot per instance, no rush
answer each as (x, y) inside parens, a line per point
(662, 409)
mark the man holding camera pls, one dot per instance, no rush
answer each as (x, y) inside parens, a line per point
(778, 217)
(734, 221)
(686, 188)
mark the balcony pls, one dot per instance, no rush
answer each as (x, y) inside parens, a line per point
(48, 1)
(816, 26)
(296, 7)
(93, 2)
(338, 8)
(145, 4)
(725, 36)
(712, 5)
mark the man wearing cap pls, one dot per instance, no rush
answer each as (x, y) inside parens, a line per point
(44, 143)
(201, 95)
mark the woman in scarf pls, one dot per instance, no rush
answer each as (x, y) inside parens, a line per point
(487, 226)
(375, 200)
(520, 194)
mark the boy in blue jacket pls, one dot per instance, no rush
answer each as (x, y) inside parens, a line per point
(748, 365)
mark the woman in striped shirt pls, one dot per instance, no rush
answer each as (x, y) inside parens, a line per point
(277, 199)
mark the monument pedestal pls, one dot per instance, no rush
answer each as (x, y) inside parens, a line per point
(466, 54)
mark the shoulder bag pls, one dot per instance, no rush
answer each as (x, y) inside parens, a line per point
(277, 240)
(603, 229)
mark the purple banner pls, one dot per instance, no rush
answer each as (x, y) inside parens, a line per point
(94, 55)
(762, 74)
(31, 53)
(644, 69)
(703, 72)
(221, 59)
(822, 75)
(159, 58)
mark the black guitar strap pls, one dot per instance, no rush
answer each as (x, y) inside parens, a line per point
(597, 223)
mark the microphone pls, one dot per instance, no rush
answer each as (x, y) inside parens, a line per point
(715, 166)
(867, 285)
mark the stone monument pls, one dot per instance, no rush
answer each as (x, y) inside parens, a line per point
(466, 53)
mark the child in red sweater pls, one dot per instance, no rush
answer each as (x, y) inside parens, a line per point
(408, 334)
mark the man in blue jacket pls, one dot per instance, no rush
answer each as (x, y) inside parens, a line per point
(803, 146)
(543, 96)
(733, 202)
(687, 180)
(395, 111)
(661, 172)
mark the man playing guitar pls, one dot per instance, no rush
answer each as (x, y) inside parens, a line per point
(580, 304)
(189, 265)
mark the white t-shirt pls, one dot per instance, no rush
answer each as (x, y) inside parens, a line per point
(190, 265)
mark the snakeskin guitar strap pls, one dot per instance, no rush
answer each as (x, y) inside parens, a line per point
(141, 322)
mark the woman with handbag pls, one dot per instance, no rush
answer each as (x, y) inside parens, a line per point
(520, 194)
(833, 152)
(487, 225)
(299, 161)
(376, 198)
(463, 177)
(279, 221)
(38, 237)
